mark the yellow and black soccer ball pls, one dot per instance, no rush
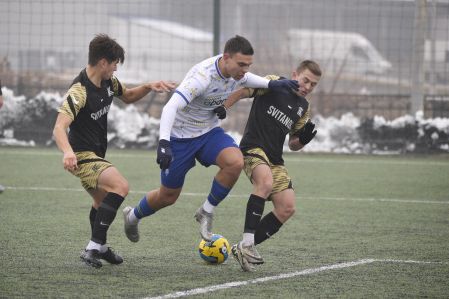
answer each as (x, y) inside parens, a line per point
(215, 251)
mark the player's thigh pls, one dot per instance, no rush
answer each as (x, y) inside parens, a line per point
(281, 179)
(261, 175)
(257, 166)
(90, 167)
(230, 157)
(285, 200)
(111, 180)
(217, 143)
(184, 152)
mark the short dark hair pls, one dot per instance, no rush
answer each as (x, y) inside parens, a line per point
(102, 46)
(311, 66)
(238, 44)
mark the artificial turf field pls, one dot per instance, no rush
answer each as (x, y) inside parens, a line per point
(365, 226)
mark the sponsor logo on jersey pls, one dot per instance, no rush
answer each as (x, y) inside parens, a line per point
(100, 113)
(300, 111)
(280, 116)
(75, 101)
(214, 101)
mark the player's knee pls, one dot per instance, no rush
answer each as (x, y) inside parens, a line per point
(168, 198)
(235, 165)
(122, 188)
(288, 211)
(264, 187)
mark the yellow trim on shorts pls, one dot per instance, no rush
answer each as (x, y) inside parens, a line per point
(255, 157)
(90, 166)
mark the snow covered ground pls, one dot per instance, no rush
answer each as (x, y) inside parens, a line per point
(29, 122)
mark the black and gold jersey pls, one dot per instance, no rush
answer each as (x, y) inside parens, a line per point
(88, 106)
(273, 115)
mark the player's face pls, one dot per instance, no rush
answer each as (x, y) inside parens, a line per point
(237, 65)
(307, 81)
(109, 69)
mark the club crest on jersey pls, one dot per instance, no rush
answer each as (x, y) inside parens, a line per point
(300, 111)
(110, 93)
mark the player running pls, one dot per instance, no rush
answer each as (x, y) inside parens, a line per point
(190, 132)
(85, 111)
(273, 115)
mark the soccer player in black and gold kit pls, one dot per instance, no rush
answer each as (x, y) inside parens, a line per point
(273, 116)
(84, 111)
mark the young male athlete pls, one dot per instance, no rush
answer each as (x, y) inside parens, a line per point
(85, 110)
(273, 115)
(190, 131)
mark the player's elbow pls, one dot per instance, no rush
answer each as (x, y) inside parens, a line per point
(56, 130)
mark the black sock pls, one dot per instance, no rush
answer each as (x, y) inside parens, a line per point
(92, 215)
(268, 226)
(254, 211)
(105, 215)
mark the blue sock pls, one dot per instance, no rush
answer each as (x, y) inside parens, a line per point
(143, 209)
(217, 193)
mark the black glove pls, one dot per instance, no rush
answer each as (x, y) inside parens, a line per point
(283, 85)
(220, 111)
(164, 154)
(307, 133)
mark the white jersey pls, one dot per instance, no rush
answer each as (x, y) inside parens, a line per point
(204, 88)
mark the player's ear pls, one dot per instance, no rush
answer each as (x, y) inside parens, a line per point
(294, 75)
(102, 62)
(226, 56)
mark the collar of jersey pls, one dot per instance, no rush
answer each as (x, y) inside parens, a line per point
(218, 69)
(90, 82)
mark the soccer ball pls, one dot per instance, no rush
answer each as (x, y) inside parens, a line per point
(215, 251)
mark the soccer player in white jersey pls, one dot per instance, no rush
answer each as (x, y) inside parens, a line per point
(190, 130)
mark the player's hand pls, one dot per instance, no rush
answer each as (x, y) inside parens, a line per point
(283, 85)
(164, 154)
(220, 111)
(307, 133)
(70, 162)
(161, 86)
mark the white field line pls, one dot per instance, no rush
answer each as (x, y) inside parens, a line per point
(151, 155)
(190, 194)
(234, 284)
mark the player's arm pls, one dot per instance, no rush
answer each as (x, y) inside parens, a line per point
(255, 81)
(131, 95)
(246, 92)
(164, 154)
(189, 88)
(75, 100)
(63, 122)
(236, 96)
(302, 133)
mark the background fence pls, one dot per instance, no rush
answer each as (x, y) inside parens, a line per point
(379, 57)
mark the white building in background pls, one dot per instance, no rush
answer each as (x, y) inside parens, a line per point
(158, 49)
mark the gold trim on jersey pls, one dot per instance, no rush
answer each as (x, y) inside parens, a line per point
(254, 92)
(301, 122)
(90, 166)
(74, 100)
(255, 157)
(118, 87)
